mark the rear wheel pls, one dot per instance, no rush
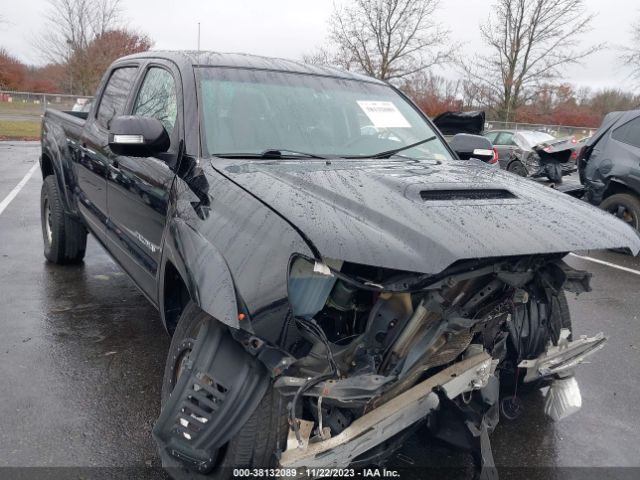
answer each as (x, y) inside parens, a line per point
(65, 239)
(518, 168)
(256, 444)
(624, 206)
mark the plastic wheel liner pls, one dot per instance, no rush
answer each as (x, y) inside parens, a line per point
(220, 387)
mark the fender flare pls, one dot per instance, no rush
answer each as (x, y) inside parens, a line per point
(56, 149)
(204, 271)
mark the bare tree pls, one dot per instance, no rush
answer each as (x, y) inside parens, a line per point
(73, 24)
(631, 54)
(389, 39)
(85, 36)
(324, 56)
(530, 42)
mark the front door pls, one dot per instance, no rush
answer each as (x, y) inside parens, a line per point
(138, 188)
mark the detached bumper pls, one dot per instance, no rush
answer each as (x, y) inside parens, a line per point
(389, 419)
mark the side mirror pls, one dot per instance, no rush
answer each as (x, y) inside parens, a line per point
(135, 136)
(472, 146)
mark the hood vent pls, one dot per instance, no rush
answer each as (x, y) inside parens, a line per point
(462, 194)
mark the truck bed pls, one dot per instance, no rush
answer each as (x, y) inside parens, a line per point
(71, 122)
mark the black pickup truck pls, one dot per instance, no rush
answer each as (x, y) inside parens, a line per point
(332, 272)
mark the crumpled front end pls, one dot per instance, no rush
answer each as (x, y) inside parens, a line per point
(382, 350)
(368, 353)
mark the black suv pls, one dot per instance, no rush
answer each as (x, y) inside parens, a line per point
(609, 166)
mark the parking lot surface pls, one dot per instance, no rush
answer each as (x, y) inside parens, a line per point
(82, 354)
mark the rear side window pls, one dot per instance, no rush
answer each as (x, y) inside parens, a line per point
(491, 136)
(628, 133)
(115, 95)
(505, 138)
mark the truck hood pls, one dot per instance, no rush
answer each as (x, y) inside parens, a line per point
(422, 216)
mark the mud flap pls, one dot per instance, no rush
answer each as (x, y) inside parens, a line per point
(219, 389)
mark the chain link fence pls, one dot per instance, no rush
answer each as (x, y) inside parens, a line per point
(558, 131)
(26, 106)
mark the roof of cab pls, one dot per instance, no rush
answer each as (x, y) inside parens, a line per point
(243, 60)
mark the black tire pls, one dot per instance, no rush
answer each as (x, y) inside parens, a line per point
(261, 436)
(559, 321)
(563, 317)
(624, 206)
(518, 168)
(65, 238)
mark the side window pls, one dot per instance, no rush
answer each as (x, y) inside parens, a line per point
(114, 97)
(628, 133)
(491, 136)
(505, 138)
(157, 98)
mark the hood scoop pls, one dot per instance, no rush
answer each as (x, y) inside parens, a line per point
(453, 194)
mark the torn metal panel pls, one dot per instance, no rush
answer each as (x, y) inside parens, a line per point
(391, 418)
(564, 357)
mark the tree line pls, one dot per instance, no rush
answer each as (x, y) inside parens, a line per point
(529, 44)
(81, 38)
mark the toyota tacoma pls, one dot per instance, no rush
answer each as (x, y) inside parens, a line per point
(326, 264)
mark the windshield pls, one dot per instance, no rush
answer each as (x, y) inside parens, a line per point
(528, 140)
(250, 112)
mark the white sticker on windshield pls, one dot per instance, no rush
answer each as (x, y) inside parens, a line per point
(383, 114)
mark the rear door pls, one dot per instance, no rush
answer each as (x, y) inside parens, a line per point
(93, 158)
(623, 150)
(505, 145)
(138, 188)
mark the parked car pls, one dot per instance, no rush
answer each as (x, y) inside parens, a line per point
(451, 124)
(535, 154)
(322, 283)
(609, 166)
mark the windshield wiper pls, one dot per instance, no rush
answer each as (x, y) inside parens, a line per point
(270, 153)
(279, 152)
(390, 153)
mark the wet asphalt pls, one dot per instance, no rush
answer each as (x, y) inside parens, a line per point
(82, 354)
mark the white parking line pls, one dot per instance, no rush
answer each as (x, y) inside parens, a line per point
(12, 194)
(607, 264)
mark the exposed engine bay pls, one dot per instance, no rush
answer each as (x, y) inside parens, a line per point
(368, 336)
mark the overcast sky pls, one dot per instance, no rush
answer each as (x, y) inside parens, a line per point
(289, 28)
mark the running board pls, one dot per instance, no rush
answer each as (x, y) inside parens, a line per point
(390, 418)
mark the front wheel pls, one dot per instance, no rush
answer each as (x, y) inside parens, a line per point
(541, 332)
(263, 434)
(65, 239)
